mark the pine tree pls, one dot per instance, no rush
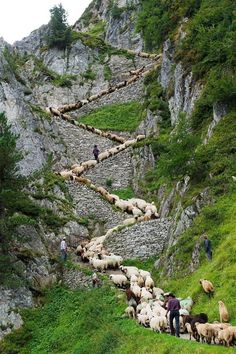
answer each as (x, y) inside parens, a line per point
(11, 184)
(59, 31)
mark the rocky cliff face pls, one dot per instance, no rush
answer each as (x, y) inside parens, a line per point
(34, 84)
(29, 74)
(119, 18)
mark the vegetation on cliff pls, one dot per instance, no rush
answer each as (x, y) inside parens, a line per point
(59, 32)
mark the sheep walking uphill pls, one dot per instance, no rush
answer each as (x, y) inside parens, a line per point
(146, 303)
(119, 280)
(130, 312)
(207, 287)
(224, 315)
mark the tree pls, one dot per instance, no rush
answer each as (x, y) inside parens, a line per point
(11, 184)
(9, 156)
(59, 30)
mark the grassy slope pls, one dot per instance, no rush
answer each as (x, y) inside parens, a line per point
(90, 321)
(221, 270)
(119, 117)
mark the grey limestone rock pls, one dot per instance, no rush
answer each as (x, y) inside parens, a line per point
(142, 240)
(10, 301)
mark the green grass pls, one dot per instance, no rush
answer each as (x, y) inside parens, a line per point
(89, 74)
(98, 29)
(126, 193)
(120, 117)
(219, 222)
(90, 321)
(107, 73)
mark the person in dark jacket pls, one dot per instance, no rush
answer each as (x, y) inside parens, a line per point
(207, 246)
(96, 152)
(173, 307)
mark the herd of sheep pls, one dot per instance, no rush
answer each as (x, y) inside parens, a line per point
(148, 304)
(135, 75)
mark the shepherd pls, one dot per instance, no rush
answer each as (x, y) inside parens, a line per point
(96, 153)
(207, 246)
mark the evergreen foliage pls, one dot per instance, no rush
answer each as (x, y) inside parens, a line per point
(9, 156)
(159, 18)
(59, 31)
(10, 185)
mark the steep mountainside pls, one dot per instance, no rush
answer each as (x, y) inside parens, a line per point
(160, 69)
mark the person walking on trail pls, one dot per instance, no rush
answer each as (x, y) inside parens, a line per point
(207, 246)
(173, 307)
(63, 248)
(96, 152)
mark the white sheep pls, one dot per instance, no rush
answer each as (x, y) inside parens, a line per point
(84, 102)
(130, 312)
(141, 306)
(143, 54)
(75, 165)
(129, 270)
(102, 191)
(78, 170)
(146, 310)
(66, 174)
(113, 151)
(130, 142)
(129, 222)
(136, 289)
(99, 239)
(79, 250)
(183, 312)
(119, 259)
(224, 315)
(121, 204)
(136, 212)
(119, 279)
(103, 155)
(109, 198)
(158, 323)
(82, 180)
(147, 216)
(144, 274)
(157, 293)
(113, 260)
(202, 330)
(132, 79)
(115, 197)
(145, 294)
(149, 283)
(159, 310)
(98, 264)
(140, 137)
(93, 98)
(152, 208)
(89, 163)
(133, 279)
(88, 254)
(139, 203)
(207, 287)
(143, 319)
(189, 329)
